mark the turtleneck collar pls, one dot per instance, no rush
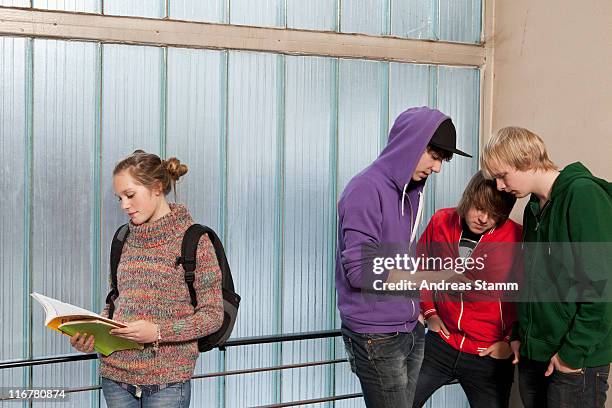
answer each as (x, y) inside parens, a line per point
(161, 231)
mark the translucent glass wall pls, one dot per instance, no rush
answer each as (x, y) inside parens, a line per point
(195, 127)
(447, 20)
(63, 194)
(15, 63)
(15, 3)
(309, 195)
(84, 6)
(143, 8)
(270, 141)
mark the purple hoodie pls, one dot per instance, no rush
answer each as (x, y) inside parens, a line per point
(380, 206)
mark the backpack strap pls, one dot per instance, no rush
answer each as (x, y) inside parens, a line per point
(231, 299)
(227, 283)
(189, 249)
(115, 256)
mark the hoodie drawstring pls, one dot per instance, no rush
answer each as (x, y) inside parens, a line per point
(419, 215)
(417, 220)
(404, 196)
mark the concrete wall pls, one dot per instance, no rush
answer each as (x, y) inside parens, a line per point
(552, 75)
(552, 62)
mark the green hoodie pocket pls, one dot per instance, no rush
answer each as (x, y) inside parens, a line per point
(550, 322)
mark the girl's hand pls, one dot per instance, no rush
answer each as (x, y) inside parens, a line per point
(140, 331)
(82, 343)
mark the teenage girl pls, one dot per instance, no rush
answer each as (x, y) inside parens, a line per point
(153, 297)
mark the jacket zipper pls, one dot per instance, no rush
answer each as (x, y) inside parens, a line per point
(501, 318)
(460, 313)
(461, 294)
(540, 214)
(538, 217)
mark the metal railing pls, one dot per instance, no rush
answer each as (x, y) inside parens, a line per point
(244, 341)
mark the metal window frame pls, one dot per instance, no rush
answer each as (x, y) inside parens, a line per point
(175, 33)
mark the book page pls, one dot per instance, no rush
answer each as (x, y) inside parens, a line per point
(54, 308)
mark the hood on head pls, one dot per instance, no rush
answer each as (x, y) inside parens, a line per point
(408, 139)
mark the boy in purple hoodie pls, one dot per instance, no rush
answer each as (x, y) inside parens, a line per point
(380, 208)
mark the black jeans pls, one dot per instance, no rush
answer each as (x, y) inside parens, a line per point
(387, 365)
(584, 389)
(486, 381)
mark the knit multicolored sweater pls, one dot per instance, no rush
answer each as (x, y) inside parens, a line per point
(152, 288)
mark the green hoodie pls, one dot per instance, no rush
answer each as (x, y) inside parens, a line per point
(579, 210)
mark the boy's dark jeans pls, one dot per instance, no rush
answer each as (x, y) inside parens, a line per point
(387, 365)
(585, 389)
(486, 381)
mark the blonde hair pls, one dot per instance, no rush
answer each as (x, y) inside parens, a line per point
(151, 171)
(516, 147)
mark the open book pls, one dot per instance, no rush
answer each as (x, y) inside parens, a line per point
(69, 319)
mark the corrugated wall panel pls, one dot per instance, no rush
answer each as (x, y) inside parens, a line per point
(365, 16)
(458, 97)
(268, 13)
(308, 223)
(253, 221)
(84, 6)
(307, 382)
(131, 119)
(195, 127)
(449, 396)
(196, 136)
(213, 11)
(64, 133)
(312, 14)
(413, 19)
(15, 3)
(140, 8)
(409, 86)
(14, 182)
(460, 20)
(362, 116)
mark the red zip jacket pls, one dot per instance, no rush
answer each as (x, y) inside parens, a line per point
(474, 319)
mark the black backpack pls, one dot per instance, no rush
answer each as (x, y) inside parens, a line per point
(187, 259)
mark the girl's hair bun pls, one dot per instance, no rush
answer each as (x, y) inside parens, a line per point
(151, 171)
(175, 168)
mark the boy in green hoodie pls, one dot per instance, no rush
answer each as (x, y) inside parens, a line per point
(563, 343)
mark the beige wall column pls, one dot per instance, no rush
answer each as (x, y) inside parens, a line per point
(553, 75)
(487, 70)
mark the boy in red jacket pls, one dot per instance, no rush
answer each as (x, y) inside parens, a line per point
(469, 332)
